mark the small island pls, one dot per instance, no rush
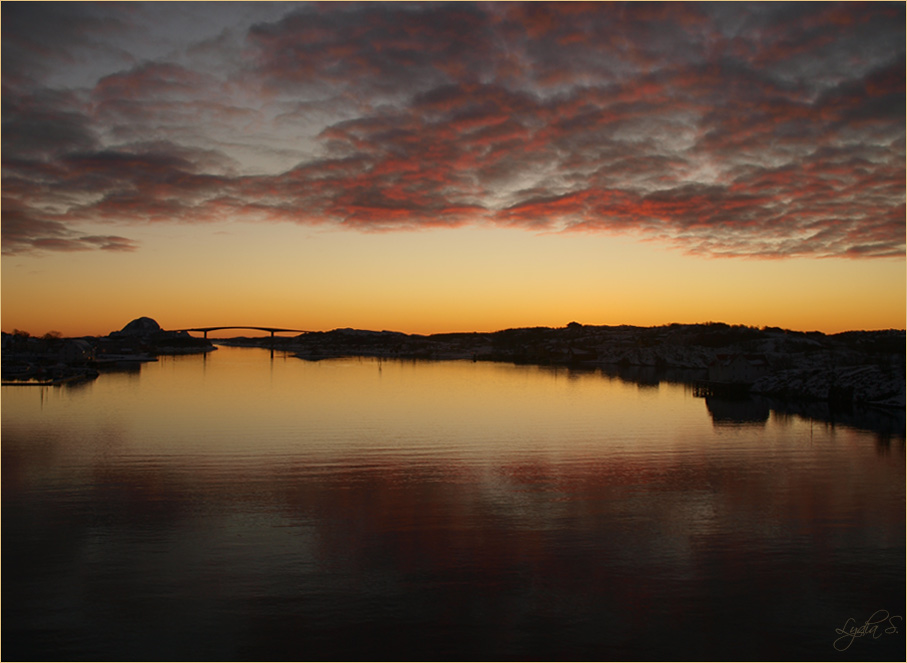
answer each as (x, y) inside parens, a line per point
(52, 359)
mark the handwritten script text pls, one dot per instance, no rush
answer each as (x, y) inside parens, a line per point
(881, 623)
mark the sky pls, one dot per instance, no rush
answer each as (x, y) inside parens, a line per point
(435, 167)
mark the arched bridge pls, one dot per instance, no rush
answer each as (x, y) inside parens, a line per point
(273, 330)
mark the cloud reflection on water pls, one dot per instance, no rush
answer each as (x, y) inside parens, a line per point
(558, 541)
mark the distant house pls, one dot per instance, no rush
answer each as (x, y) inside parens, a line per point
(737, 368)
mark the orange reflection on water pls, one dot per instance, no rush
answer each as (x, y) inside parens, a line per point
(437, 496)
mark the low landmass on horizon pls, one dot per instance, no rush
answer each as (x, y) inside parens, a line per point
(862, 367)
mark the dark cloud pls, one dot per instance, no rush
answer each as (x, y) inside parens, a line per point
(24, 232)
(40, 37)
(375, 47)
(765, 130)
(45, 123)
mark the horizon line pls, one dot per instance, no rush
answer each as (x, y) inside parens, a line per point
(265, 329)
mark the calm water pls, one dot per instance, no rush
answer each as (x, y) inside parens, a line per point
(246, 507)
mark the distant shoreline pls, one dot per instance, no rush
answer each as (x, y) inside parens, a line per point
(864, 367)
(860, 367)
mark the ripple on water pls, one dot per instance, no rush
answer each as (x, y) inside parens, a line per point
(240, 508)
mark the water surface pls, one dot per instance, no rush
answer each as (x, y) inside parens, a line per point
(239, 506)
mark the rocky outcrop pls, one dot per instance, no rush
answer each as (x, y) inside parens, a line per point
(143, 326)
(852, 384)
(144, 335)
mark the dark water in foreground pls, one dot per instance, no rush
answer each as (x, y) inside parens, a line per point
(241, 507)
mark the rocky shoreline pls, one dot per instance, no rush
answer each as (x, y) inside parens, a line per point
(865, 367)
(861, 367)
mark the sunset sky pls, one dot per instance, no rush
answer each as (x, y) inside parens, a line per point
(428, 167)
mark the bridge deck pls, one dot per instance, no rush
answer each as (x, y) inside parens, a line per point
(267, 329)
(272, 330)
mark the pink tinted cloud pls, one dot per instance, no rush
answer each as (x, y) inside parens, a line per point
(147, 81)
(761, 130)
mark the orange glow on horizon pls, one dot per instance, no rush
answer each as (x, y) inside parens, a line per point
(458, 280)
(536, 164)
